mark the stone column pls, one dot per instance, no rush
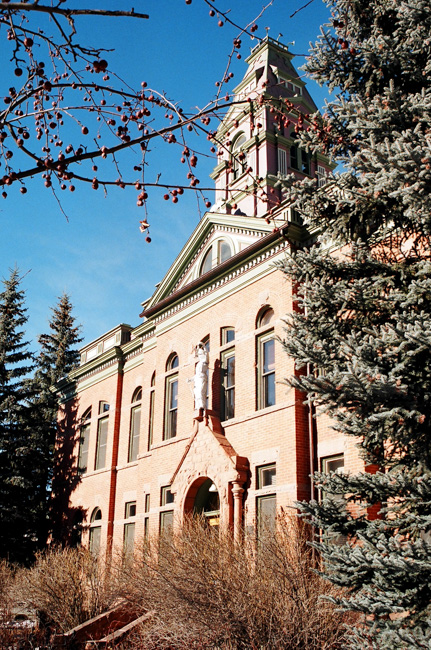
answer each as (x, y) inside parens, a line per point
(237, 491)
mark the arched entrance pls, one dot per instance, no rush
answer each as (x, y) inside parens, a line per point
(203, 499)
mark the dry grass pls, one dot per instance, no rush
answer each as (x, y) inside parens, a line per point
(67, 586)
(209, 592)
(206, 591)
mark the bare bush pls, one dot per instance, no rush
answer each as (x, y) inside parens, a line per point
(7, 578)
(67, 586)
(208, 591)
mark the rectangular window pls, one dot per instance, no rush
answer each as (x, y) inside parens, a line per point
(266, 371)
(294, 157)
(171, 407)
(166, 521)
(166, 496)
(266, 476)
(102, 441)
(282, 161)
(130, 509)
(129, 538)
(135, 425)
(151, 420)
(146, 528)
(147, 503)
(94, 541)
(227, 335)
(321, 175)
(333, 464)
(84, 441)
(228, 377)
(305, 162)
(266, 511)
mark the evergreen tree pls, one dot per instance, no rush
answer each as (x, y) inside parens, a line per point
(362, 333)
(57, 357)
(17, 503)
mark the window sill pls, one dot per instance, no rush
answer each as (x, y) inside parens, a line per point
(265, 411)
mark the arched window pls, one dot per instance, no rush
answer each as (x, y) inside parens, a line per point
(265, 316)
(238, 156)
(84, 440)
(207, 262)
(172, 361)
(135, 425)
(95, 531)
(265, 366)
(216, 254)
(171, 397)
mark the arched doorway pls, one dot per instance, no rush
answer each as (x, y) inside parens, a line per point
(203, 499)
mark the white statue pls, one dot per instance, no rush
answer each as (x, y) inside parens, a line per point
(201, 377)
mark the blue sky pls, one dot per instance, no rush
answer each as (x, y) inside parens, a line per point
(98, 256)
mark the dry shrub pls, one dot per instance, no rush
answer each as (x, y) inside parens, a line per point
(7, 579)
(67, 586)
(206, 592)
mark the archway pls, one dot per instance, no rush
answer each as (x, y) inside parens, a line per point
(203, 499)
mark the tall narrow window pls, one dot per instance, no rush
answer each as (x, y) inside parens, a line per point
(171, 399)
(102, 443)
(228, 378)
(294, 158)
(95, 531)
(267, 352)
(282, 161)
(135, 425)
(266, 503)
(166, 516)
(151, 411)
(305, 162)
(238, 156)
(129, 528)
(84, 441)
(265, 361)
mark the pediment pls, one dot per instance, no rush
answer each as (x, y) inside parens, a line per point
(214, 235)
(208, 454)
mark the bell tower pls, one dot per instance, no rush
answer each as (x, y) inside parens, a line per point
(257, 137)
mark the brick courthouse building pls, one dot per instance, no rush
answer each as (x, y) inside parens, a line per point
(128, 420)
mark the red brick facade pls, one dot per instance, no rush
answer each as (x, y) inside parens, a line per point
(257, 460)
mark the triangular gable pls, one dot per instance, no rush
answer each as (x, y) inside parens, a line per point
(239, 231)
(208, 454)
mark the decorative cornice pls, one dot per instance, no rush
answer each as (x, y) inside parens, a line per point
(203, 286)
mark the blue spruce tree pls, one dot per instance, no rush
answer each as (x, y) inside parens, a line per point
(362, 334)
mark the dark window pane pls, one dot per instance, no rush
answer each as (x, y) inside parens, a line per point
(230, 335)
(269, 389)
(230, 404)
(294, 157)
